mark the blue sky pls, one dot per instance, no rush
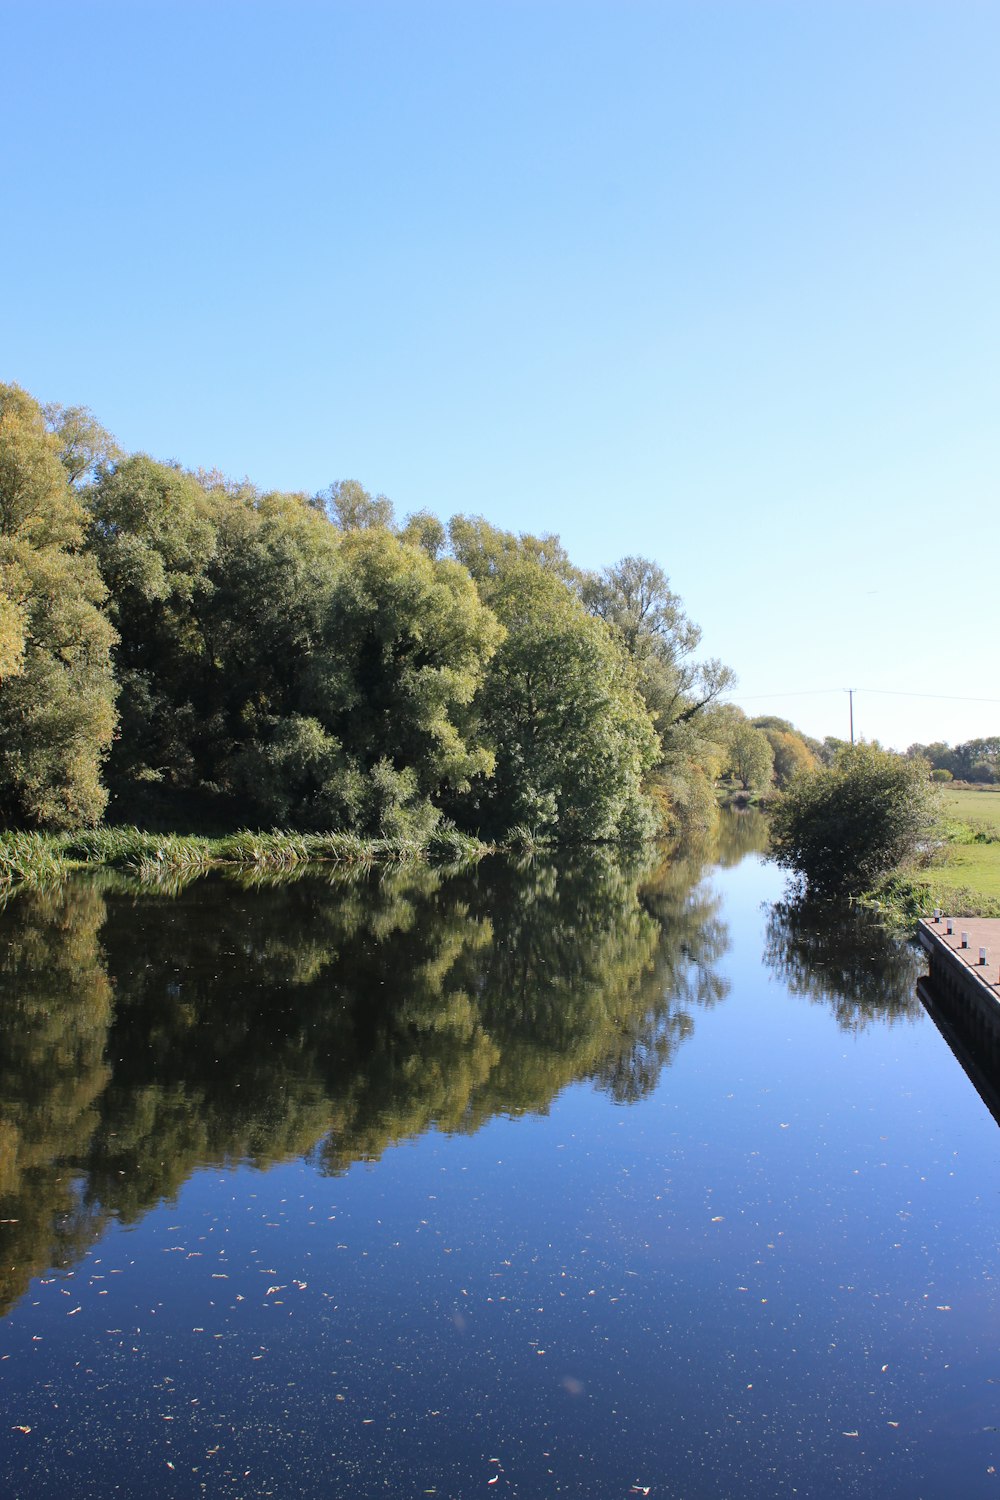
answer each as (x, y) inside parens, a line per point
(712, 282)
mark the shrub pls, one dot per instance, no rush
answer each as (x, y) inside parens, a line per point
(845, 826)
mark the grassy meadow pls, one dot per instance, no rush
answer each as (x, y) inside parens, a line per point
(964, 876)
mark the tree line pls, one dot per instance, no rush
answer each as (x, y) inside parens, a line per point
(975, 760)
(307, 661)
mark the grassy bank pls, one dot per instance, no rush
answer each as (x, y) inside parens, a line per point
(35, 858)
(967, 866)
(962, 873)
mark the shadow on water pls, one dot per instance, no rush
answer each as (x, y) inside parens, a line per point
(975, 1046)
(146, 1036)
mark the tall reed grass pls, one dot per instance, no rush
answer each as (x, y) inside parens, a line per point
(165, 859)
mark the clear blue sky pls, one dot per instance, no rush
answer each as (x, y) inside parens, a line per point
(712, 282)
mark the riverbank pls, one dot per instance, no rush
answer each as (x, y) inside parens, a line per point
(961, 873)
(35, 858)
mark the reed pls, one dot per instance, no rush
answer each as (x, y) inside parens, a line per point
(162, 858)
(29, 859)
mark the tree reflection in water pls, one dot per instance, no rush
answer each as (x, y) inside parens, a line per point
(146, 1036)
(844, 956)
(55, 1012)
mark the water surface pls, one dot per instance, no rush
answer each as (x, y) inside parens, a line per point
(574, 1178)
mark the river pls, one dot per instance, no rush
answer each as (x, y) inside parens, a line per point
(579, 1178)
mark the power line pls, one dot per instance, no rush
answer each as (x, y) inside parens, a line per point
(879, 692)
(946, 697)
(794, 693)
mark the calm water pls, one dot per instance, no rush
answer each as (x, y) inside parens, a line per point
(563, 1180)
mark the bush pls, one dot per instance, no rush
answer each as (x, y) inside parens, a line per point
(847, 825)
(941, 774)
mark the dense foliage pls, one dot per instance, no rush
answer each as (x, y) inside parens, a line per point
(975, 760)
(178, 641)
(845, 825)
(57, 689)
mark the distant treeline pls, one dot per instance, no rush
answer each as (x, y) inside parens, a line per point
(976, 760)
(174, 639)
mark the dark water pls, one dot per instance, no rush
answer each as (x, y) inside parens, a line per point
(563, 1180)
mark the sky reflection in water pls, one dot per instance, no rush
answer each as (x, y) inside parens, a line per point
(563, 1180)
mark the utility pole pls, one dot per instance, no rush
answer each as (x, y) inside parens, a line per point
(850, 695)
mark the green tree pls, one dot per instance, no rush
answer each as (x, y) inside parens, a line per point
(82, 444)
(422, 529)
(411, 641)
(844, 826)
(351, 508)
(263, 619)
(57, 695)
(560, 703)
(350, 663)
(681, 693)
(751, 758)
(13, 622)
(635, 597)
(153, 535)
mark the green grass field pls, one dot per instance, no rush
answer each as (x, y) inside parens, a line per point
(968, 868)
(979, 806)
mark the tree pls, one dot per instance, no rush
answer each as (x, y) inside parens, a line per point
(349, 662)
(635, 598)
(423, 529)
(681, 693)
(844, 826)
(57, 695)
(560, 704)
(153, 535)
(791, 754)
(13, 624)
(351, 508)
(82, 444)
(751, 757)
(404, 650)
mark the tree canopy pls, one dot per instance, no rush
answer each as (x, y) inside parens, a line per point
(844, 826)
(304, 660)
(560, 704)
(57, 689)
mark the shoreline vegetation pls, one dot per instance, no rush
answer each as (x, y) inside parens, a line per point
(308, 662)
(877, 828)
(959, 870)
(35, 858)
(167, 862)
(184, 659)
